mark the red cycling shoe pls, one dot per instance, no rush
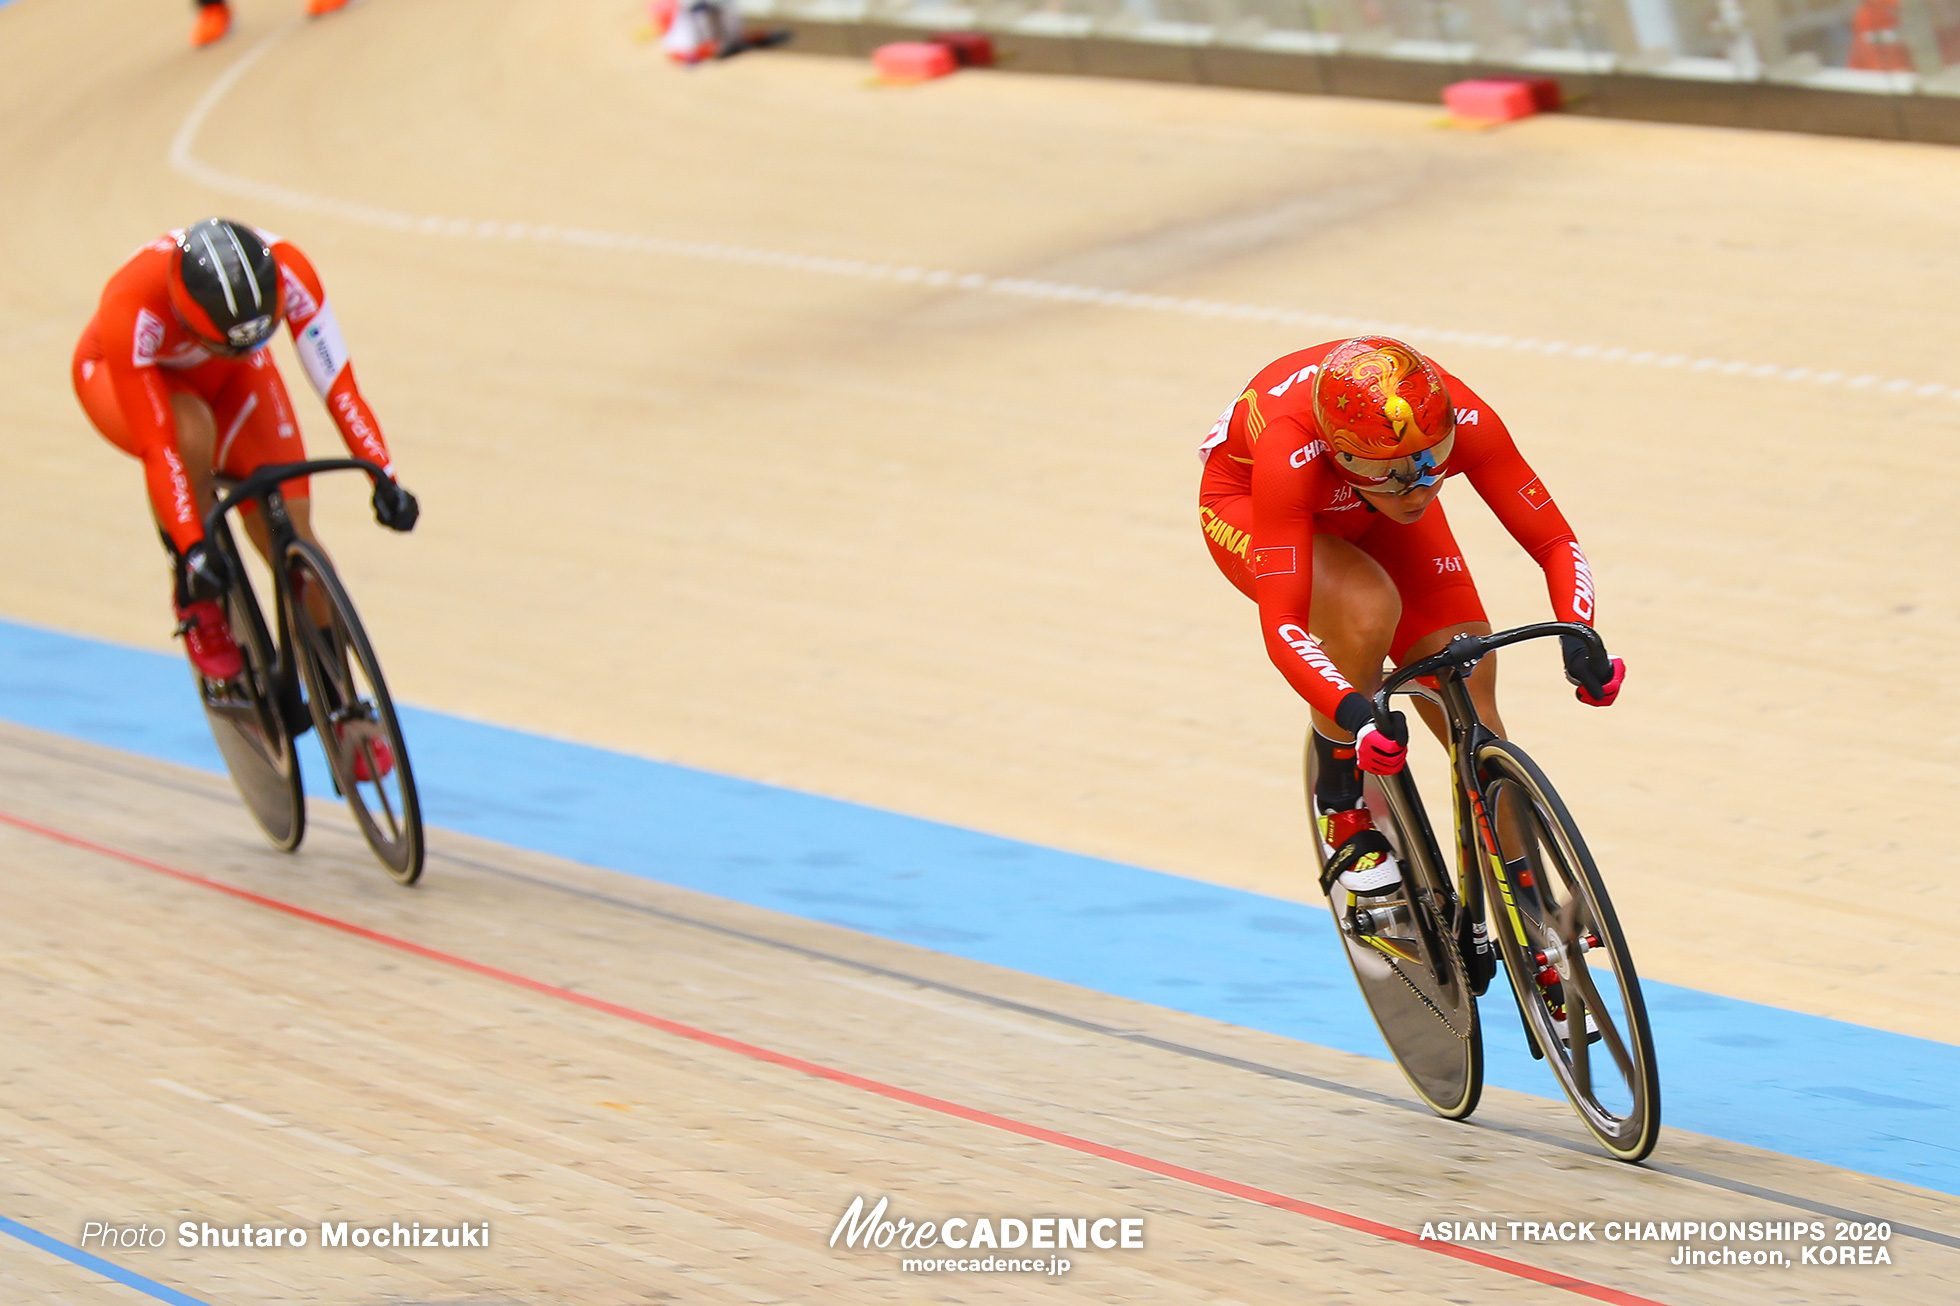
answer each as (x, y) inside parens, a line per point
(207, 638)
(1358, 855)
(213, 21)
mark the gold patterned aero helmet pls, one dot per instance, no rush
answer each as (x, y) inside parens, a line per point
(1384, 410)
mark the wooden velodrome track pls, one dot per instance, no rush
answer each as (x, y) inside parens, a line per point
(932, 548)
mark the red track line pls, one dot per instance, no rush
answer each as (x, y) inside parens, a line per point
(1135, 1160)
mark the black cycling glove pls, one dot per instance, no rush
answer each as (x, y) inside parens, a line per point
(395, 507)
(1598, 681)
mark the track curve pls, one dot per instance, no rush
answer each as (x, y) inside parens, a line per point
(951, 572)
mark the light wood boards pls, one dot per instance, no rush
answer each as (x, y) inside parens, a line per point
(936, 551)
(170, 1053)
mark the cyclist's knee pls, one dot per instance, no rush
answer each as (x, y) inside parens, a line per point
(1483, 693)
(299, 510)
(1356, 604)
(1375, 611)
(197, 430)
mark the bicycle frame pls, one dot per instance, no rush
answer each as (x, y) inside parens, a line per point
(1476, 841)
(1422, 984)
(262, 488)
(322, 673)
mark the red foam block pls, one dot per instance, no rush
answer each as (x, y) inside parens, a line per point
(972, 49)
(1490, 101)
(913, 61)
(1545, 93)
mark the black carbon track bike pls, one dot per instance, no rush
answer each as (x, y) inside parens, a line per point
(1525, 893)
(306, 673)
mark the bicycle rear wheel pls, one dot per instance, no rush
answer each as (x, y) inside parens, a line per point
(353, 714)
(247, 723)
(1405, 957)
(1567, 958)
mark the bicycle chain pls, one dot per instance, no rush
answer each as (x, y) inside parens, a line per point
(1456, 960)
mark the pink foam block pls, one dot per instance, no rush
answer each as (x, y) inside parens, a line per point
(1490, 101)
(913, 61)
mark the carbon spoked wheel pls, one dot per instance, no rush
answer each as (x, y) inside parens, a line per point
(353, 715)
(1567, 958)
(249, 727)
(1406, 960)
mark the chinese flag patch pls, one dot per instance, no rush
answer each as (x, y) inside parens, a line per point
(1276, 561)
(1534, 493)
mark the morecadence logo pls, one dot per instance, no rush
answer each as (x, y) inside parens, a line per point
(982, 1237)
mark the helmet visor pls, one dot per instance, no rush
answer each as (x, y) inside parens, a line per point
(241, 339)
(1417, 471)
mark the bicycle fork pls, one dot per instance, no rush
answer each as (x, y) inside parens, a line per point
(1478, 842)
(1475, 840)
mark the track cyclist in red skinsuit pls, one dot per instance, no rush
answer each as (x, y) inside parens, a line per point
(1319, 502)
(173, 370)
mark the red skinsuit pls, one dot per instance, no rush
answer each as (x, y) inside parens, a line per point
(135, 354)
(1268, 490)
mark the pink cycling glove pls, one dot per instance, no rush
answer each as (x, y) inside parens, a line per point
(1376, 752)
(1591, 688)
(1609, 691)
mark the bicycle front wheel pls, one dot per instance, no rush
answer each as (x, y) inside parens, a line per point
(352, 713)
(1566, 956)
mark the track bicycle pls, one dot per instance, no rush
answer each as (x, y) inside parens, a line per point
(1425, 955)
(318, 676)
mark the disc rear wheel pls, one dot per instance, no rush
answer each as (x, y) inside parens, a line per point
(1406, 958)
(248, 725)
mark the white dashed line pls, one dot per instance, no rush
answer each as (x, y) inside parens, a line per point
(184, 161)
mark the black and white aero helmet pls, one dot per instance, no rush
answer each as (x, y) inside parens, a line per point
(226, 287)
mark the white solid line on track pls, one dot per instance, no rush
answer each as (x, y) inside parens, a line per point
(184, 160)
